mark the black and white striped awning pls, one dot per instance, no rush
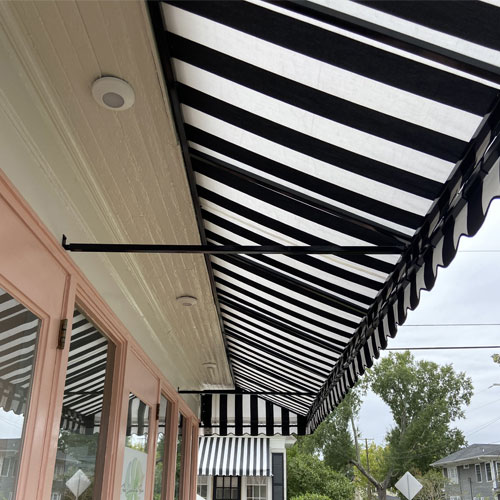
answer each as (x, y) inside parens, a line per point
(240, 414)
(18, 337)
(347, 123)
(233, 456)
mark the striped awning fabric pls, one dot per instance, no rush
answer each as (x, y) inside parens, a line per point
(240, 414)
(233, 456)
(18, 335)
(85, 375)
(332, 122)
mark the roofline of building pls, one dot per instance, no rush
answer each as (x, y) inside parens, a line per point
(465, 461)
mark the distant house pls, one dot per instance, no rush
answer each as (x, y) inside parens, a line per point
(473, 473)
(242, 467)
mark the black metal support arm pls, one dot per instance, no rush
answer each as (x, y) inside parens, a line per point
(233, 249)
(255, 393)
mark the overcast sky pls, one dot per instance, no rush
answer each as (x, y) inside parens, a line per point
(465, 292)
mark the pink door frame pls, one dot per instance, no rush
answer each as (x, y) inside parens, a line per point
(37, 272)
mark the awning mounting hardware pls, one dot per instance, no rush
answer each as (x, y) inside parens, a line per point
(233, 249)
(254, 393)
(61, 340)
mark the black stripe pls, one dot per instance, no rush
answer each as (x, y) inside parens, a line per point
(16, 309)
(301, 425)
(5, 297)
(285, 422)
(206, 410)
(475, 22)
(269, 418)
(203, 453)
(213, 456)
(312, 183)
(302, 236)
(317, 102)
(348, 54)
(223, 413)
(310, 146)
(254, 417)
(238, 414)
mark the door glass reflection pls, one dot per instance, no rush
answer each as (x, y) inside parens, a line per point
(81, 445)
(19, 329)
(135, 461)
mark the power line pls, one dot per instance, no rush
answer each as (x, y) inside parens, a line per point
(442, 347)
(468, 410)
(452, 324)
(480, 428)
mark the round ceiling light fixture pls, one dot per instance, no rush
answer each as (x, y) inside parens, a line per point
(187, 300)
(113, 93)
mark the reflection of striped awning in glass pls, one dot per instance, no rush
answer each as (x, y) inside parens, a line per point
(18, 335)
(233, 456)
(86, 372)
(330, 123)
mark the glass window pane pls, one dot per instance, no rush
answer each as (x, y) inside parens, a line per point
(220, 482)
(178, 464)
(135, 462)
(83, 428)
(18, 338)
(160, 448)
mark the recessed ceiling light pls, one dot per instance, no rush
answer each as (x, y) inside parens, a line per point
(186, 300)
(113, 93)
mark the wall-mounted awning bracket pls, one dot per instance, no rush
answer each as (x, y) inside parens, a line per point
(233, 249)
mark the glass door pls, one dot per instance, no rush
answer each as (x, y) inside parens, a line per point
(138, 445)
(19, 329)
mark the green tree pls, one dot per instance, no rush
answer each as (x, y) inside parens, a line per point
(433, 484)
(333, 440)
(374, 460)
(308, 474)
(424, 399)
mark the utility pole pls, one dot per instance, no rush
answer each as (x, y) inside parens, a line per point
(368, 488)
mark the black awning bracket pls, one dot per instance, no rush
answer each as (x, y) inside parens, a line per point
(233, 249)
